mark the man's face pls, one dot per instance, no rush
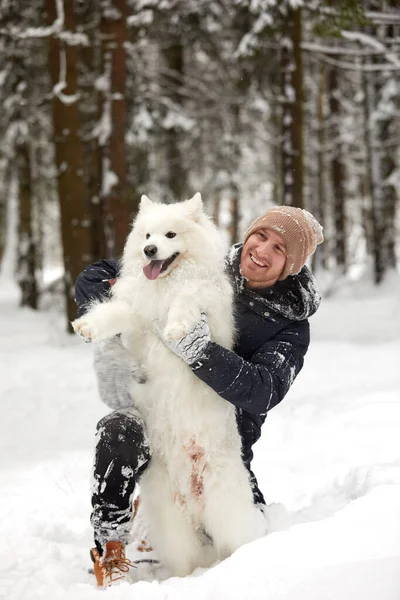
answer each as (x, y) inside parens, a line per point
(263, 258)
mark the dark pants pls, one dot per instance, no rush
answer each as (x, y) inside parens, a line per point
(122, 454)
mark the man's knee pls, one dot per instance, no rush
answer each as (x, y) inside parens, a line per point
(123, 431)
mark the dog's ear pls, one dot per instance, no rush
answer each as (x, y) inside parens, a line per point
(145, 202)
(194, 206)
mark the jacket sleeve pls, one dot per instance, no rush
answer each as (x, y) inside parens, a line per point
(116, 372)
(257, 385)
(95, 283)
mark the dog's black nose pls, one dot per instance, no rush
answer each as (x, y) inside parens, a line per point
(150, 250)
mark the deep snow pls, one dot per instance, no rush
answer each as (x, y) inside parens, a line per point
(328, 464)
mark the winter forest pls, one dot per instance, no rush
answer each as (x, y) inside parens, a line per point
(252, 103)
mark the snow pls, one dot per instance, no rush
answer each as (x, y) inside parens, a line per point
(368, 40)
(104, 127)
(58, 88)
(72, 38)
(145, 17)
(179, 120)
(102, 83)
(110, 179)
(42, 32)
(328, 463)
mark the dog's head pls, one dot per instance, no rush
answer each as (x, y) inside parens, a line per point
(164, 235)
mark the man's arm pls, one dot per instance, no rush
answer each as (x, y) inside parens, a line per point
(258, 385)
(94, 283)
(116, 373)
(114, 365)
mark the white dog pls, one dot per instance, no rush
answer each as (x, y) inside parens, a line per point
(195, 492)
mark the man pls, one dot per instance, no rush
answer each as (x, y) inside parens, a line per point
(275, 293)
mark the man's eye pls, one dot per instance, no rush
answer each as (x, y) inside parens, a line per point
(262, 235)
(170, 234)
(147, 236)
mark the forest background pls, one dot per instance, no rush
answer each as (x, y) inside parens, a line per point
(251, 102)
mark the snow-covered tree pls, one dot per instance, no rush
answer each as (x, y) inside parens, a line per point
(252, 103)
(69, 157)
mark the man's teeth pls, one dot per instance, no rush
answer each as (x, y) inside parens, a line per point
(257, 262)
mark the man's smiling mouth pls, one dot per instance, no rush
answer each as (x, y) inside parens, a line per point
(257, 262)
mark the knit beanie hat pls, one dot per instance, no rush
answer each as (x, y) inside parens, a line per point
(300, 231)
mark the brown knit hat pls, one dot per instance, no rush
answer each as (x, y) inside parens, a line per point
(300, 231)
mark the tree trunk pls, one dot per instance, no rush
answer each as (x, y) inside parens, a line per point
(26, 270)
(3, 220)
(292, 113)
(388, 128)
(322, 199)
(92, 106)
(388, 168)
(234, 214)
(374, 179)
(216, 206)
(337, 170)
(381, 106)
(114, 189)
(276, 156)
(75, 218)
(318, 206)
(176, 175)
(10, 251)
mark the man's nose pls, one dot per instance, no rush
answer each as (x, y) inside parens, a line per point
(266, 248)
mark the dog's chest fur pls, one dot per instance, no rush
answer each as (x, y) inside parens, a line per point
(186, 420)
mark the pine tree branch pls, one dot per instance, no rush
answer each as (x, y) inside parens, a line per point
(340, 50)
(341, 64)
(368, 40)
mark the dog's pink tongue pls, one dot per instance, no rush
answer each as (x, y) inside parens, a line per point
(152, 270)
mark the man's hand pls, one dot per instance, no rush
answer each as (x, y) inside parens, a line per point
(192, 346)
(116, 373)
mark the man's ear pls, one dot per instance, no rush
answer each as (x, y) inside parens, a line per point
(194, 207)
(145, 202)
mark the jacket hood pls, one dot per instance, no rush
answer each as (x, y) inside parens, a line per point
(297, 297)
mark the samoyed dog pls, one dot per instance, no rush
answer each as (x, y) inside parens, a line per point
(195, 493)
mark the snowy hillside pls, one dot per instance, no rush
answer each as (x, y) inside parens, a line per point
(328, 464)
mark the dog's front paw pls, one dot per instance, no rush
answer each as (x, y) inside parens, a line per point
(84, 328)
(176, 331)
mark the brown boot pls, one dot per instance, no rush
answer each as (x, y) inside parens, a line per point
(113, 566)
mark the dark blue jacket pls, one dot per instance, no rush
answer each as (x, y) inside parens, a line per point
(273, 338)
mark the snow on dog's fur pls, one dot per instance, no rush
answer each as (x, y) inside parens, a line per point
(196, 490)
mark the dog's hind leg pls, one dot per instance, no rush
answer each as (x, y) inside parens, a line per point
(171, 529)
(230, 516)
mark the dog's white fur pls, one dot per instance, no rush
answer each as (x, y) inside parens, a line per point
(196, 486)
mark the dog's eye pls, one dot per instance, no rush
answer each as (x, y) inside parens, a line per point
(170, 234)
(147, 236)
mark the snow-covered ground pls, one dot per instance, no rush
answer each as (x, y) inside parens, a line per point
(328, 463)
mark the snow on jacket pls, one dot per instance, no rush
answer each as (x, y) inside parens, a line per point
(273, 338)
